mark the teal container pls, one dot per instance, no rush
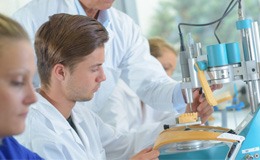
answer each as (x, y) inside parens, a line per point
(217, 55)
(217, 152)
(233, 53)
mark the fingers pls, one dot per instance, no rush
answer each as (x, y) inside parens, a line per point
(196, 92)
(146, 150)
(213, 88)
(154, 154)
(198, 95)
(201, 105)
(147, 154)
(216, 86)
(202, 97)
(205, 111)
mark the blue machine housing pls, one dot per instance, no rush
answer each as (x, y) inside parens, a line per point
(251, 146)
(249, 149)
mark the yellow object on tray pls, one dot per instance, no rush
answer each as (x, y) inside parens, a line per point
(188, 117)
(196, 132)
(225, 97)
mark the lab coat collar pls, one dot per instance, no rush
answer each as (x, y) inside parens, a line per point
(78, 119)
(76, 114)
(57, 120)
(103, 17)
(79, 8)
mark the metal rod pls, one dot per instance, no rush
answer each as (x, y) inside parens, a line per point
(251, 96)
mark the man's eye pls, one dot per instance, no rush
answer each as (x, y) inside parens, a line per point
(95, 69)
(17, 83)
(166, 68)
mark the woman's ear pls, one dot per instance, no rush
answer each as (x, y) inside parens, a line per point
(59, 71)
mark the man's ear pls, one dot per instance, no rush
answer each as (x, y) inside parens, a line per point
(59, 71)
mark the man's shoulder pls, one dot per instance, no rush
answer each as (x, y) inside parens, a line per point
(15, 150)
(40, 10)
(41, 122)
(41, 115)
(35, 13)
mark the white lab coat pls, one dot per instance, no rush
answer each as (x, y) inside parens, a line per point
(50, 135)
(128, 115)
(126, 55)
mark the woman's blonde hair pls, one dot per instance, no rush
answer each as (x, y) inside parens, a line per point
(11, 29)
(157, 45)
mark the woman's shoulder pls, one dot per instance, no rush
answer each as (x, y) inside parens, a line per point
(11, 149)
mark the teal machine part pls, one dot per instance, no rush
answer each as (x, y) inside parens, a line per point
(218, 152)
(217, 55)
(249, 128)
(233, 53)
(243, 25)
(250, 148)
(223, 54)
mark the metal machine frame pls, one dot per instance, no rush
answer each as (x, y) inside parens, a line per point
(244, 142)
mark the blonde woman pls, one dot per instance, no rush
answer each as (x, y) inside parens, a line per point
(16, 94)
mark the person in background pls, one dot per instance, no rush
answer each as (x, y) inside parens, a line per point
(167, 56)
(164, 53)
(16, 94)
(127, 54)
(70, 72)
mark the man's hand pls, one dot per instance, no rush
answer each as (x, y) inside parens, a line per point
(147, 154)
(216, 86)
(201, 105)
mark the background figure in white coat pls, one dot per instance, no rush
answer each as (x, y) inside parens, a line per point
(127, 52)
(69, 72)
(167, 56)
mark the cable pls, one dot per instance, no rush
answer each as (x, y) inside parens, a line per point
(215, 30)
(239, 4)
(182, 47)
(240, 10)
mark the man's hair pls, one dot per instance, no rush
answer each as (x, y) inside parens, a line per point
(10, 29)
(157, 45)
(66, 39)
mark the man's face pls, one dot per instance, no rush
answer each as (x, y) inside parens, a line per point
(97, 4)
(84, 81)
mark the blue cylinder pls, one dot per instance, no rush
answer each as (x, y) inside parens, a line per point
(217, 55)
(233, 53)
(244, 24)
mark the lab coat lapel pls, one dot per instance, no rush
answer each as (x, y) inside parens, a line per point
(77, 138)
(59, 124)
(81, 126)
(81, 136)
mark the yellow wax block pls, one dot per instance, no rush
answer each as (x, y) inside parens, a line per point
(188, 117)
(225, 97)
